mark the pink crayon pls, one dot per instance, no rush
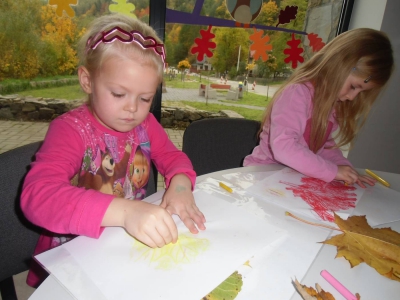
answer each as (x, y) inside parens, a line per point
(338, 286)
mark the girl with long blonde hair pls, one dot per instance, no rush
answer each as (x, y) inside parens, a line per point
(334, 90)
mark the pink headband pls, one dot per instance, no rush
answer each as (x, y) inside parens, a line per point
(126, 37)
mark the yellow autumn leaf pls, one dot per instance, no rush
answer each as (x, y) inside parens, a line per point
(377, 247)
(227, 290)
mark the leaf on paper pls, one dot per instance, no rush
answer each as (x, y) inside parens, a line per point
(227, 290)
(309, 293)
(379, 247)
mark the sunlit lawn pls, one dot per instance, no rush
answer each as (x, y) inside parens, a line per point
(68, 92)
(251, 114)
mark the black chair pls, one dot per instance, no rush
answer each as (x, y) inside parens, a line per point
(220, 143)
(18, 237)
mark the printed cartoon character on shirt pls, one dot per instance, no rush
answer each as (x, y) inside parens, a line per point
(139, 174)
(104, 171)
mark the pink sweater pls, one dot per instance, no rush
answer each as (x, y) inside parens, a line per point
(286, 140)
(82, 166)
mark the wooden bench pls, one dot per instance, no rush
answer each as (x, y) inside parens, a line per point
(220, 86)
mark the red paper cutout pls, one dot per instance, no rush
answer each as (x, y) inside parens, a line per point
(286, 15)
(324, 198)
(64, 5)
(260, 45)
(293, 52)
(315, 42)
(204, 44)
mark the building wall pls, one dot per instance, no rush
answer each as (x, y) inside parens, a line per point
(378, 144)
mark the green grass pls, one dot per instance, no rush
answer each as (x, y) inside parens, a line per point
(192, 83)
(250, 99)
(16, 81)
(251, 114)
(70, 92)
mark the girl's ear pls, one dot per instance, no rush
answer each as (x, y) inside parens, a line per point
(84, 80)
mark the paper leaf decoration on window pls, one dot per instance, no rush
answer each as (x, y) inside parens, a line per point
(293, 52)
(243, 12)
(204, 44)
(122, 7)
(64, 5)
(285, 16)
(315, 42)
(377, 247)
(260, 45)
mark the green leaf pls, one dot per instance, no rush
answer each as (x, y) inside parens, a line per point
(227, 290)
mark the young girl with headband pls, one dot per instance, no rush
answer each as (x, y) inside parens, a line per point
(83, 177)
(335, 89)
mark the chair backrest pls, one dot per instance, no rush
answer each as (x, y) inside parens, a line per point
(220, 143)
(18, 237)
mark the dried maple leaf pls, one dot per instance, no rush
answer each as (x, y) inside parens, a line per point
(294, 52)
(260, 45)
(227, 290)
(64, 5)
(308, 293)
(204, 44)
(315, 42)
(286, 15)
(377, 247)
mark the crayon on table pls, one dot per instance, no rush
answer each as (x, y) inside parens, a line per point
(225, 187)
(380, 180)
(338, 286)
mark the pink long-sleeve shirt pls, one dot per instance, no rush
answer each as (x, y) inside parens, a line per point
(82, 166)
(286, 139)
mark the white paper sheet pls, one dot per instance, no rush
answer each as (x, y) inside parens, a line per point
(308, 196)
(380, 204)
(120, 268)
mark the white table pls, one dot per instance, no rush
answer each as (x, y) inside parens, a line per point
(361, 279)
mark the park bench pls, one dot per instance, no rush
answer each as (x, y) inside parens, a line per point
(208, 92)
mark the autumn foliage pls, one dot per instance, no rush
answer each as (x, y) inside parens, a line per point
(35, 41)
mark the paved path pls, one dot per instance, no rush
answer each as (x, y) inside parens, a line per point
(192, 95)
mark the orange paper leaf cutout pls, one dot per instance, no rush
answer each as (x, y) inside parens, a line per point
(293, 52)
(204, 44)
(260, 45)
(64, 5)
(286, 15)
(315, 42)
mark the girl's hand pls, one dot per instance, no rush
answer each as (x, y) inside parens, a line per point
(179, 200)
(351, 176)
(149, 223)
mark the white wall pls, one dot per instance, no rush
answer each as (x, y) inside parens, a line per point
(367, 13)
(378, 144)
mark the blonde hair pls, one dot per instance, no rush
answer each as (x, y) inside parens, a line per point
(93, 59)
(364, 52)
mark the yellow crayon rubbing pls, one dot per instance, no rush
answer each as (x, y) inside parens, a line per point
(384, 182)
(225, 187)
